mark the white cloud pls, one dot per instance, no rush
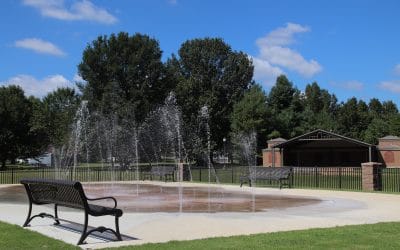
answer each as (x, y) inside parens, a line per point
(282, 36)
(290, 59)
(38, 87)
(274, 51)
(39, 46)
(78, 78)
(350, 85)
(80, 10)
(392, 86)
(397, 69)
(265, 72)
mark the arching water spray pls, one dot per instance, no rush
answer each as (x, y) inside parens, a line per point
(246, 152)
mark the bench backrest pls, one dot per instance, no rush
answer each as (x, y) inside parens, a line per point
(270, 172)
(61, 192)
(162, 170)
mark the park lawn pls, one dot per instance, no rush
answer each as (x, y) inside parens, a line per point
(16, 237)
(372, 236)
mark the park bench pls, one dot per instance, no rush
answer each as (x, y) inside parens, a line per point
(68, 194)
(281, 174)
(163, 172)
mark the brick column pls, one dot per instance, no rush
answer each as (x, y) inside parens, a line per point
(370, 178)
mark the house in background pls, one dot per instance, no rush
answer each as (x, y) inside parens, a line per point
(45, 160)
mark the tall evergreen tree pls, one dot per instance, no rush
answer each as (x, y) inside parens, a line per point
(320, 109)
(285, 105)
(375, 108)
(250, 114)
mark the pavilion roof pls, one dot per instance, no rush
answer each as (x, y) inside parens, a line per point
(321, 135)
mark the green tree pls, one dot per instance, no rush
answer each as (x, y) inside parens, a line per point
(394, 124)
(38, 139)
(313, 98)
(376, 129)
(317, 99)
(353, 118)
(209, 73)
(250, 114)
(282, 93)
(389, 108)
(375, 108)
(320, 109)
(124, 74)
(59, 109)
(15, 117)
(286, 106)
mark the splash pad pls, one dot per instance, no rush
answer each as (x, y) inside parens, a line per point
(172, 198)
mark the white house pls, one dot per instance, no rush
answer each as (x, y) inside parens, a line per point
(43, 160)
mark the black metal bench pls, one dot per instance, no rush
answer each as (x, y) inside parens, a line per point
(280, 174)
(68, 194)
(163, 172)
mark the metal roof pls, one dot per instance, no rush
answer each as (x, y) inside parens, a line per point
(277, 139)
(390, 137)
(321, 134)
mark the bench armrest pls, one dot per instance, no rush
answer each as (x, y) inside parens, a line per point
(105, 198)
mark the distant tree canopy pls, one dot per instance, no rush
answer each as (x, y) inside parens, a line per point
(292, 113)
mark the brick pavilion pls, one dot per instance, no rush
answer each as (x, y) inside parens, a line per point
(321, 148)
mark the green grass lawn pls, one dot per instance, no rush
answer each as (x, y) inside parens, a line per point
(375, 236)
(16, 237)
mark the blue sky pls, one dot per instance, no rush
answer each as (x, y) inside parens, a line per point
(349, 47)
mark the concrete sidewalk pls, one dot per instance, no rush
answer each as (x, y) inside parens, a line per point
(337, 208)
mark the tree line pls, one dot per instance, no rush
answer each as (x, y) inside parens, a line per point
(125, 77)
(288, 112)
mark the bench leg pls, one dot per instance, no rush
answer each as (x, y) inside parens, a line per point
(84, 234)
(117, 228)
(101, 229)
(56, 215)
(244, 180)
(41, 215)
(28, 219)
